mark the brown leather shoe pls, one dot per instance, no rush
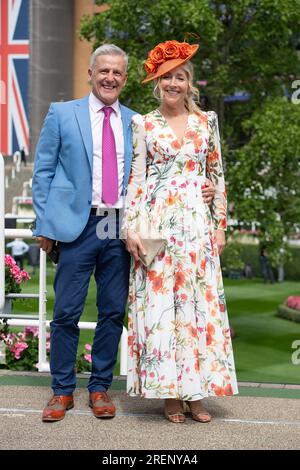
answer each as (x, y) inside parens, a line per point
(56, 408)
(102, 405)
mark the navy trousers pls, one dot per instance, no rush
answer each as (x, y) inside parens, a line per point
(110, 262)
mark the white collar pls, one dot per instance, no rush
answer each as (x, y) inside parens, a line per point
(97, 104)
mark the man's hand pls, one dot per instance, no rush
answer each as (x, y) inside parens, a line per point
(134, 245)
(221, 241)
(208, 191)
(45, 244)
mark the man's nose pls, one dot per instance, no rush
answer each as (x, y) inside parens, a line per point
(110, 76)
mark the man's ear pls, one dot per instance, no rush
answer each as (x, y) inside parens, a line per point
(90, 72)
(126, 78)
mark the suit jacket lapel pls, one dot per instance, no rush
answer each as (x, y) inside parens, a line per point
(128, 154)
(84, 121)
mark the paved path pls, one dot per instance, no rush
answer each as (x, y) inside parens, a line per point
(240, 422)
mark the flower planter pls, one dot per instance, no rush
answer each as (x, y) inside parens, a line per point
(288, 313)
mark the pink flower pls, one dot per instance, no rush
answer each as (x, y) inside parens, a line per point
(88, 357)
(14, 272)
(32, 331)
(147, 331)
(9, 261)
(22, 336)
(18, 348)
(293, 302)
(88, 347)
(25, 276)
(152, 375)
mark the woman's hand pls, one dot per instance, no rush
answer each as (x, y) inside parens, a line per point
(208, 191)
(134, 245)
(221, 240)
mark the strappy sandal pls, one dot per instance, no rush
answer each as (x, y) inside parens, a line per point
(172, 413)
(202, 416)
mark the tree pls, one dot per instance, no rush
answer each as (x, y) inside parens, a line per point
(265, 178)
(245, 45)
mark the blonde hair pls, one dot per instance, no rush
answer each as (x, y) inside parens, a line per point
(192, 96)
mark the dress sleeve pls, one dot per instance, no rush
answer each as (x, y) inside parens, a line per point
(137, 180)
(214, 171)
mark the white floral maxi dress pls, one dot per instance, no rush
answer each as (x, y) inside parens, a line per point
(178, 333)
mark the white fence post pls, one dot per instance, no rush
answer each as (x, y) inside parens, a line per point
(123, 352)
(2, 235)
(43, 364)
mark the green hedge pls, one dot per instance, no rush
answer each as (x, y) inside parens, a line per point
(250, 254)
(292, 268)
(288, 313)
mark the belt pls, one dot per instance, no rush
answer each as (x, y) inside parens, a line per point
(102, 211)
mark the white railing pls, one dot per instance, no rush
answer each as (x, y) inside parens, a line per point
(41, 320)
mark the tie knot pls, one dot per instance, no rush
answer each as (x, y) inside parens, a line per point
(107, 111)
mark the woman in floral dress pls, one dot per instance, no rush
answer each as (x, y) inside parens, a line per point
(179, 339)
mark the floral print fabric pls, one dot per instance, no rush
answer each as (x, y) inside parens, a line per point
(178, 332)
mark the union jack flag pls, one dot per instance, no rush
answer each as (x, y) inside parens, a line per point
(14, 74)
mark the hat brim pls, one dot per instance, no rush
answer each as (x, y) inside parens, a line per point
(169, 65)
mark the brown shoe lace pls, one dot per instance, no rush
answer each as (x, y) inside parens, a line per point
(102, 395)
(54, 400)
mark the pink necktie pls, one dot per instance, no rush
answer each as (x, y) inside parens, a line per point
(110, 186)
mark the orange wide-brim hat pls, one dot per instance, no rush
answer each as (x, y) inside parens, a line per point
(167, 56)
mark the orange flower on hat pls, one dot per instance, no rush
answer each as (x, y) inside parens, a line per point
(165, 51)
(157, 55)
(171, 49)
(185, 50)
(150, 67)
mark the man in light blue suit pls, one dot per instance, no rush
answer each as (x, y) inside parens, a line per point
(69, 184)
(82, 168)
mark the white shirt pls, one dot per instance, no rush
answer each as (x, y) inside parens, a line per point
(18, 247)
(97, 117)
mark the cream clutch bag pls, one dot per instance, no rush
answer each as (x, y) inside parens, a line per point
(152, 247)
(151, 240)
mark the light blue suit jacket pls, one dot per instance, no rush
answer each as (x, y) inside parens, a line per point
(62, 179)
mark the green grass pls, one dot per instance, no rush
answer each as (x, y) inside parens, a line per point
(262, 347)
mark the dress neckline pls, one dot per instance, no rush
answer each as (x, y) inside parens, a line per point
(182, 141)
